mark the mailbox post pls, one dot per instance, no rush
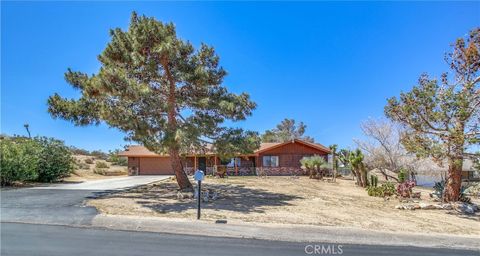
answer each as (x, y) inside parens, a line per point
(198, 176)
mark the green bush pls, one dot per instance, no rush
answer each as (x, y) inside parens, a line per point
(402, 176)
(55, 160)
(101, 164)
(115, 159)
(18, 159)
(89, 161)
(39, 159)
(386, 189)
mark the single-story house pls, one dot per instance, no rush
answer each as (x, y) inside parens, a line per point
(270, 159)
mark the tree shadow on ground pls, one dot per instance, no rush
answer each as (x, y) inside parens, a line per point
(164, 198)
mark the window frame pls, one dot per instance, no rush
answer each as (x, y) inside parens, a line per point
(267, 161)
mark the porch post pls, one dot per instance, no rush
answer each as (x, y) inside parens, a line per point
(194, 163)
(235, 166)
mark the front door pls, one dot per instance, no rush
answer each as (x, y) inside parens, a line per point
(202, 164)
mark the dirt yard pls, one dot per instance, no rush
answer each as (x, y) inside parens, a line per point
(85, 171)
(288, 200)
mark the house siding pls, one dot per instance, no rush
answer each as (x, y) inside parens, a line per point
(289, 155)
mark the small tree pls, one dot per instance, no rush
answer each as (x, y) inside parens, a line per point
(162, 93)
(383, 149)
(286, 130)
(442, 120)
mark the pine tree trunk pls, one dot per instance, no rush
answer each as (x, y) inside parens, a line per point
(454, 180)
(182, 178)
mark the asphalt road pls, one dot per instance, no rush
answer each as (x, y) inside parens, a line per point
(61, 203)
(48, 240)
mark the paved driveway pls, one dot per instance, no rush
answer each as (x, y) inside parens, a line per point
(61, 203)
(108, 184)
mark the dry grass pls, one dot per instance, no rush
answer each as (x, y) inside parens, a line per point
(86, 174)
(288, 200)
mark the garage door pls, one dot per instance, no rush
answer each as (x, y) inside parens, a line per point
(155, 165)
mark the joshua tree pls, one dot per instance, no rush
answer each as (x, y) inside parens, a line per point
(27, 126)
(333, 148)
(356, 162)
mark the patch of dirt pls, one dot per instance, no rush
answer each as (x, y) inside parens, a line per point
(288, 200)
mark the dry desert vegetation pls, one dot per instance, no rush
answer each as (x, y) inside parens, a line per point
(85, 170)
(290, 200)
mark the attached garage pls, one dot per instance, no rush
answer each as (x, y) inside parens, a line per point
(155, 165)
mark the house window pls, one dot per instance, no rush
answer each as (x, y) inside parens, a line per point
(270, 161)
(234, 162)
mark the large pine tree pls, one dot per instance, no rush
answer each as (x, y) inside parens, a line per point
(162, 93)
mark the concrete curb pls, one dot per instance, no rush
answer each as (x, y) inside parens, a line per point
(285, 232)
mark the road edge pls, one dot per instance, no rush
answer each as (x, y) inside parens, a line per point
(285, 232)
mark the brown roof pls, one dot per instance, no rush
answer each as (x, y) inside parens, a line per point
(136, 151)
(141, 151)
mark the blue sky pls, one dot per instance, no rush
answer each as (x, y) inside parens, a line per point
(330, 65)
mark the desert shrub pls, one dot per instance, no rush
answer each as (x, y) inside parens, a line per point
(88, 161)
(79, 151)
(384, 190)
(439, 188)
(55, 160)
(473, 189)
(18, 159)
(402, 176)
(101, 164)
(100, 171)
(82, 166)
(115, 159)
(99, 154)
(40, 159)
(404, 189)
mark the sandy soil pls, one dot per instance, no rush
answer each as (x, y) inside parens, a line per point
(289, 200)
(87, 174)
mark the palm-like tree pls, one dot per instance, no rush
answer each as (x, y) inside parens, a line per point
(313, 165)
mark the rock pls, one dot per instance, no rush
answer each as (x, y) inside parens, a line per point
(464, 208)
(475, 207)
(446, 206)
(427, 206)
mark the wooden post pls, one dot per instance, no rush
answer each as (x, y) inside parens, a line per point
(235, 165)
(194, 163)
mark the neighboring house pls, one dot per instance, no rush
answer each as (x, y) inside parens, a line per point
(269, 159)
(469, 173)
